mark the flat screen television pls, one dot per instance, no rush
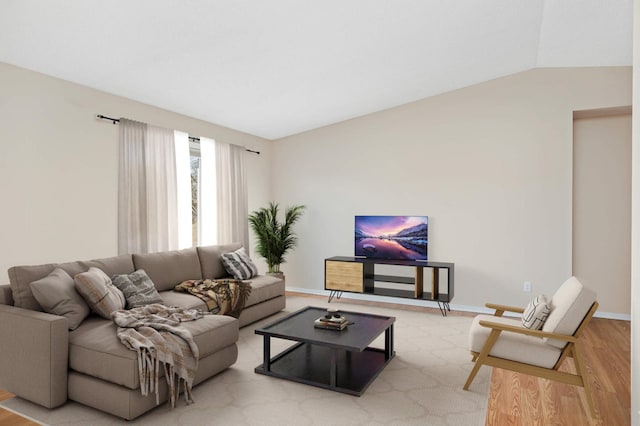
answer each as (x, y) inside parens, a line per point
(392, 237)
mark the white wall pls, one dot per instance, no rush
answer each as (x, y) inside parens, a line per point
(490, 164)
(58, 166)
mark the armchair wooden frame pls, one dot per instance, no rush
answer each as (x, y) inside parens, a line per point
(571, 349)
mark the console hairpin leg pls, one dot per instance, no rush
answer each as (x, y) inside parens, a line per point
(334, 293)
(444, 307)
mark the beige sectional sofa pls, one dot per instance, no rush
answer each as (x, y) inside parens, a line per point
(44, 362)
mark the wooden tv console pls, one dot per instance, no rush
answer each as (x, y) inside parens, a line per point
(357, 275)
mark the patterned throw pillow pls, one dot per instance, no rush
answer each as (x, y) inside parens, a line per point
(239, 264)
(57, 295)
(536, 313)
(99, 292)
(137, 288)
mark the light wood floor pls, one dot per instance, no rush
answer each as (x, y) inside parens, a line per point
(9, 418)
(517, 399)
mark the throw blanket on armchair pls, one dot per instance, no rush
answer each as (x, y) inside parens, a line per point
(223, 297)
(154, 332)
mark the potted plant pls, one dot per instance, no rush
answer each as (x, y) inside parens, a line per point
(274, 238)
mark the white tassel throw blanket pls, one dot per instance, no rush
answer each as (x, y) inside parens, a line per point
(154, 332)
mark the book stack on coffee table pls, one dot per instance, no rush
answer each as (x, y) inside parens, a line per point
(331, 322)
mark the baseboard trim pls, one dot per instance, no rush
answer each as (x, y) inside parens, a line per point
(428, 304)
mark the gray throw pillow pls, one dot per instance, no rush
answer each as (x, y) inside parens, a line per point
(239, 264)
(137, 288)
(57, 295)
(99, 292)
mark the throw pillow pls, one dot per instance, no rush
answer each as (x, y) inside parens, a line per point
(239, 264)
(536, 313)
(138, 289)
(99, 292)
(57, 295)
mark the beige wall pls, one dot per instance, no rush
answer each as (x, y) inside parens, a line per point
(635, 224)
(602, 207)
(490, 164)
(58, 166)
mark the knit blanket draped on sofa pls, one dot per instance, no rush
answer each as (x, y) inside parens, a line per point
(222, 297)
(154, 332)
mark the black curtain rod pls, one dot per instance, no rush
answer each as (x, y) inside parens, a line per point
(191, 138)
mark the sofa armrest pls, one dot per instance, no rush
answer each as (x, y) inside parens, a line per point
(6, 297)
(527, 331)
(35, 353)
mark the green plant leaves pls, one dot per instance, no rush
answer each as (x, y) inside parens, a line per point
(275, 238)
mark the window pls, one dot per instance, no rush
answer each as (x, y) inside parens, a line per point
(194, 151)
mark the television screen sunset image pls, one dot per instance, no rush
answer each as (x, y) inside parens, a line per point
(392, 237)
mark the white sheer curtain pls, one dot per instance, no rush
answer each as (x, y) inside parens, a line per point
(232, 204)
(132, 188)
(147, 189)
(223, 194)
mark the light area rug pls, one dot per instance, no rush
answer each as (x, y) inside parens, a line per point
(422, 385)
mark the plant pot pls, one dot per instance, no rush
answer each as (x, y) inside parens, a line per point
(276, 274)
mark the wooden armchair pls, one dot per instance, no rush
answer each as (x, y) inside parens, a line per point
(505, 343)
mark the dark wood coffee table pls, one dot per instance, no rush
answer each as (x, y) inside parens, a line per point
(341, 361)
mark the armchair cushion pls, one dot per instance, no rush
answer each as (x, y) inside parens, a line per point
(513, 346)
(569, 306)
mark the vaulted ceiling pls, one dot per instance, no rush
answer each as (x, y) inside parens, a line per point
(279, 67)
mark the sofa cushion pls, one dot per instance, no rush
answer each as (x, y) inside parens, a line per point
(138, 289)
(183, 300)
(239, 264)
(569, 305)
(513, 346)
(57, 295)
(169, 268)
(264, 287)
(99, 292)
(95, 350)
(210, 261)
(20, 277)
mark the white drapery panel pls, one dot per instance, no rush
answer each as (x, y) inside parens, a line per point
(162, 196)
(207, 194)
(132, 188)
(232, 198)
(147, 189)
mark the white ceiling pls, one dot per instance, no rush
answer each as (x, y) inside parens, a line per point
(279, 67)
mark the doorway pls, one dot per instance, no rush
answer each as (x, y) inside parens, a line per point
(602, 205)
